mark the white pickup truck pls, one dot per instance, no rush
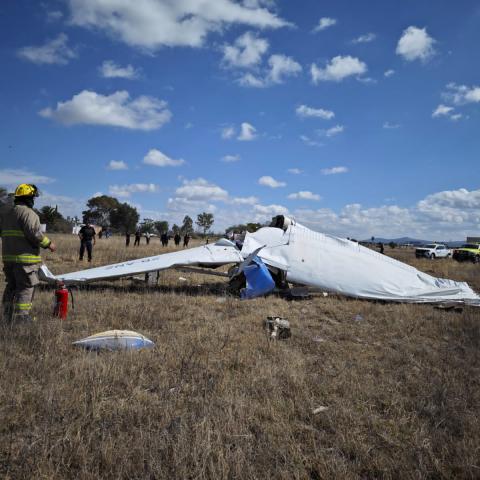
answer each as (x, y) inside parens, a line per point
(433, 250)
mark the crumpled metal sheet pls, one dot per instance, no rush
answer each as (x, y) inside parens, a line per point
(342, 266)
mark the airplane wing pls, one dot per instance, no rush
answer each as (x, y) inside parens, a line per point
(220, 253)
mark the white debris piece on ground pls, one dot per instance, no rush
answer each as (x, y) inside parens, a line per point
(182, 279)
(319, 409)
(115, 340)
(277, 328)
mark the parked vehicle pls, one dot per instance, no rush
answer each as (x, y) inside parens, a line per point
(433, 250)
(468, 252)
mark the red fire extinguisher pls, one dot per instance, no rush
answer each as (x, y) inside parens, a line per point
(60, 308)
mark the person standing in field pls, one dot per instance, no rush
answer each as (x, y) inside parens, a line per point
(186, 239)
(137, 238)
(22, 239)
(147, 237)
(87, 240)
(127, 239)
(176, 239)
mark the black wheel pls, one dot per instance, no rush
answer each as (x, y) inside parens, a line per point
(432, 256)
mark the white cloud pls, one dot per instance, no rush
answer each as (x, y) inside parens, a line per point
(461, 94)
(109, 69)
(247, 132)
(447, 112)
(331, 132)
(415, 44)
(442, 110)
(367, 80)
(127, 190)
(228, 132)
(259, 3)
(279, 68)
(158, 159)
(230, 158)
(54, 52)
(361, 223)
(452, 209)
(282, 66)
(117, 165)
(244, 200)
(265, 212)
(334, 170)
(184, 206)
(294, 171)
(15, 176)
(391, 126)
(67, 206)
(117, 109)
(304, 111)
(324, 23)
(54, 16)
(304, 195)
(250, 80)
(152, 24)
(310, 141)
(459, 199)
(367, 38)
(268, 181)
(201, 190)
(246, 51)
(338, 69)
(389, 73)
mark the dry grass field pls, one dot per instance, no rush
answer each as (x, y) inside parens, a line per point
(216, 399)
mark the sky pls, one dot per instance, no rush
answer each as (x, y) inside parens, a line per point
(357, 118)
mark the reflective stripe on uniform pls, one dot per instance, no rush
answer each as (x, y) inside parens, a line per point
(23, 258)
(22, 306)
(45, 242)
(12, 233)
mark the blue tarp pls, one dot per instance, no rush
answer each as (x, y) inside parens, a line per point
(259, 280)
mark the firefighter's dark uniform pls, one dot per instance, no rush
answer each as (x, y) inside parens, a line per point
(21, 242)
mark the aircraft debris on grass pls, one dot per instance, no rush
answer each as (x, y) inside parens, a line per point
(289, 253)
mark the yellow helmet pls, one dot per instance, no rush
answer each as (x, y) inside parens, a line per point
(26, 190)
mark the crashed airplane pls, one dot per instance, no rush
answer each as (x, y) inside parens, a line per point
(287, 252)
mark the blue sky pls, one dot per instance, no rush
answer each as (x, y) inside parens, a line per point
(357, 118)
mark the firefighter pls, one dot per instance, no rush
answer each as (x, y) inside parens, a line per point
(21, 242)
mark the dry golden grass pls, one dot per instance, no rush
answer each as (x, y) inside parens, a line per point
(217, 399)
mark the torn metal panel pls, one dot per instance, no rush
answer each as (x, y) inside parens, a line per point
(342, 266)
(259, 280)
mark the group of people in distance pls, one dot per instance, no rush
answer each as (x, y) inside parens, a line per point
(164, 238)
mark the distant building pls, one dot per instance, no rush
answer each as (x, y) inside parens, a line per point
(473, 239)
